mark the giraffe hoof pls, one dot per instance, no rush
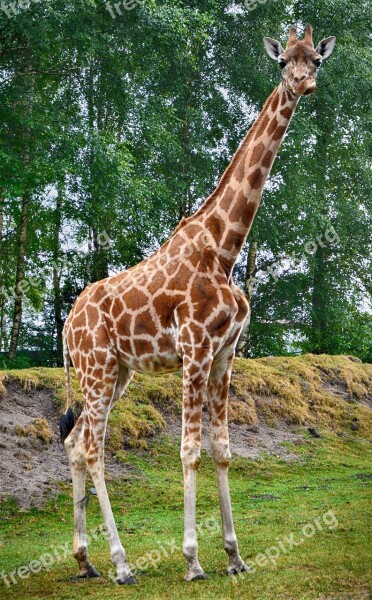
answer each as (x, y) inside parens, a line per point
(238, 569)
(91, 572)
(196, 577)
(126, 580)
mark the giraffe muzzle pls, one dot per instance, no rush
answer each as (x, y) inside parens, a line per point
(310, 89)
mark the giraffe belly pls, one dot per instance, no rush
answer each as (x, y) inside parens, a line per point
(150, 354)
(152, 364)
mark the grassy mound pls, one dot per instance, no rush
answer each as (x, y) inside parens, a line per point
(331, 392)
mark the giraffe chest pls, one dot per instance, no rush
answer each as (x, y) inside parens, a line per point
(150, 354)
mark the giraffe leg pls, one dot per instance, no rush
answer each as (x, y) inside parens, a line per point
(118, 557)
(95, 462)
(195, 377)
(85, 446)
(218, 387)
(75, 451)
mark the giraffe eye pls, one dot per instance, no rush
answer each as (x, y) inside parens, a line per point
(318, 63)
(282, 63)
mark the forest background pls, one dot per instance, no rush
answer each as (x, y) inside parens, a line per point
(119, 119)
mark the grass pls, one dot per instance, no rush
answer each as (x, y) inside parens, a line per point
(271, 500)
(328, 391)
(38, 429)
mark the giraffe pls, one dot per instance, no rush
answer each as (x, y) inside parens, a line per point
(179, 308)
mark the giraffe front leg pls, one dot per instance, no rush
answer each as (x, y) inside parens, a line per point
(190, 544)
(218, 387)
(195, 376)
(80, 547)
(230, 542)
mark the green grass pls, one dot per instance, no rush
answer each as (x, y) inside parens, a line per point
(271, 500)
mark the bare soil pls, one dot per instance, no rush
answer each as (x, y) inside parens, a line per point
(247, 440)
(31, 469)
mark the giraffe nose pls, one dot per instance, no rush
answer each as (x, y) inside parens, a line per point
(299, 79)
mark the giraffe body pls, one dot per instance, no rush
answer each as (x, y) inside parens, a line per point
(143, 315)
(179, 308)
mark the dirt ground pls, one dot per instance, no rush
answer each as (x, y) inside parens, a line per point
(247, 440)
(31, 469)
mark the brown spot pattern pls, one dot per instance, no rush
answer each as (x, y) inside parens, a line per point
(272, 127)
(279, 132)
(240, 170)
(255, 179)
(275, 102)
(284, 98)
(256, 154)
(262, 126)
(286, 112)
(266, 161)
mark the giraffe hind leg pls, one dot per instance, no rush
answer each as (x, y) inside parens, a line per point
(117, 378)
(75, 450)
(195, 375)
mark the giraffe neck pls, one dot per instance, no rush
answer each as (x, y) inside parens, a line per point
(227, 215)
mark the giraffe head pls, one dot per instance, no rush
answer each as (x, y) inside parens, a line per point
(300, 60)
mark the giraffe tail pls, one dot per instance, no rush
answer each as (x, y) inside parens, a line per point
(67, 420)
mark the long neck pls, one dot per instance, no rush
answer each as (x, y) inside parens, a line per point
(227, 215)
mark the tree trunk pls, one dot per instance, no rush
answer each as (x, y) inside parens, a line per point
(186, 176)
(250, 271)
(99, 258)
(2, 322)
(97, 264)
(318, 305)
(57, 300)
(2, 202)
(185, 208)
(20, 272)
(2, 279)
(321, 322)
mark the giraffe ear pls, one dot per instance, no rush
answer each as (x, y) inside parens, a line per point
(325, 47)
(273, 48)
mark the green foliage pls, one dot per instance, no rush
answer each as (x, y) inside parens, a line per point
(129, 122)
